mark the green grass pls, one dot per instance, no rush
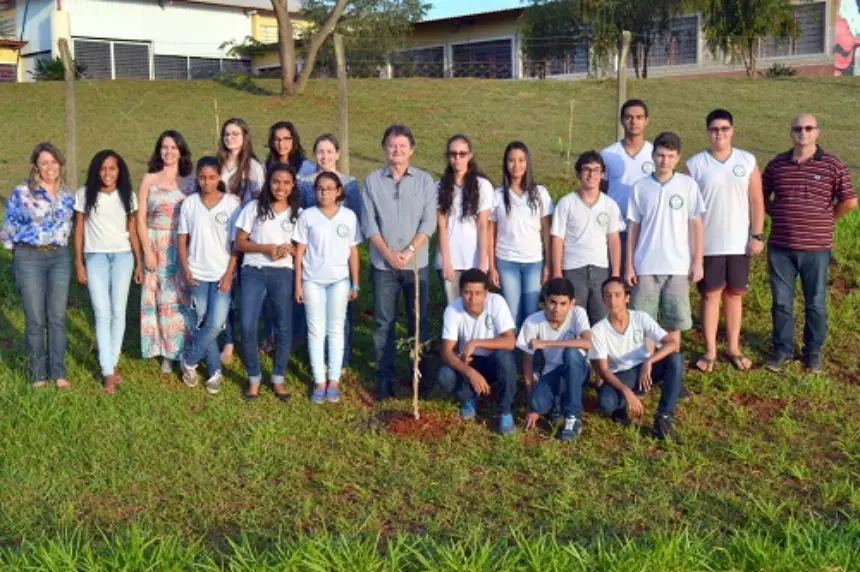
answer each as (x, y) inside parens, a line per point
(163, 477)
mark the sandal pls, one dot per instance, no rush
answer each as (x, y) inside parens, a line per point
(109, 386)
(38, 384)
(63, 384)
(117, 378)
(740, 361)
(251, 396)
(705, 364)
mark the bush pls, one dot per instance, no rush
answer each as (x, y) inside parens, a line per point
(779, 70)
(53, 70)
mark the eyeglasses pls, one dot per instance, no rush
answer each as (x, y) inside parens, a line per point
(588, 171)
(326, 189)
(458, 154)
(802, 128)
(720, 129)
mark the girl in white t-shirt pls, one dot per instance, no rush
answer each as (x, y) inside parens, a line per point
(264, 233)
(464, 204)
(327, 259)
(244, 176)
(208, 263)
(519, 241)
(107, 253)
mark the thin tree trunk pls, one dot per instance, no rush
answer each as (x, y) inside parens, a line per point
(286, 46)
(316, 43)
(646, 47)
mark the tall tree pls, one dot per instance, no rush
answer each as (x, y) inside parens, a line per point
(287, 45)
(735, 28)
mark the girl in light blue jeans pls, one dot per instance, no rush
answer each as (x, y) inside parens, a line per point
(107, 253)
(326, 260)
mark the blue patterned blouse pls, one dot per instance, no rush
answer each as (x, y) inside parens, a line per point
(32, 218)
(350, 185)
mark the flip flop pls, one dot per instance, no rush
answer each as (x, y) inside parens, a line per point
(708, 363)
(63, 384)
(740, 361)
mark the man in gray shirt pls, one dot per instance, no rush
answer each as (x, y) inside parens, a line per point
(398, 217)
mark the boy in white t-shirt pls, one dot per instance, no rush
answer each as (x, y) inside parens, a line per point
(626, 366)
(562, 333)
(733, 227)
(586, 246)
(477, 349)
(665, 239)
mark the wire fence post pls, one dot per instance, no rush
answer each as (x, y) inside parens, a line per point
(342, 103)
(70, 109)
(416, 364)
(626, 38)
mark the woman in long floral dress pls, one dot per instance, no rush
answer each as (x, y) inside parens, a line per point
(165, 316)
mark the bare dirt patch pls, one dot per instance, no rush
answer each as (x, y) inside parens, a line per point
(763, 408)
(429, 425)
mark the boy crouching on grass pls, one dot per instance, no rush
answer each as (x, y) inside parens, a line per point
(562, 333)
(477, 349)
(626, 366)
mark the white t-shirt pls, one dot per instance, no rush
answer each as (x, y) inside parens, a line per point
(624, 350)
(460, 326)
(211, 233)
(725, 192)
(463, 233)
(584, 228)
(277, 230)
(106, 227)
(518, 233)
(537, 327)
(328, 242)
(663, 212)
(622, 170)
(253, 185)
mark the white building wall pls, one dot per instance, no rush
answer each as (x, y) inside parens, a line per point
(36, 26)
(194, 30)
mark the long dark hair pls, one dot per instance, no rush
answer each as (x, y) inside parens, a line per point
(297, 153)
(156, 164)
(208, 161)
(94, 181)
(528, 182)
(265, 200)
(243, 162)
(341, 192)
(471, 186)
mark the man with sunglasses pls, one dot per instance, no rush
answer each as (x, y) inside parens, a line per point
(806, 190)
(733, 222)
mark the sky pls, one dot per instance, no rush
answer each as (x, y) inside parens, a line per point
(445, 8)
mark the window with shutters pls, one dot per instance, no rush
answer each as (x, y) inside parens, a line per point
(492, 59)
(130, 61)
(204, 68)
(94, 56)
(171, 67)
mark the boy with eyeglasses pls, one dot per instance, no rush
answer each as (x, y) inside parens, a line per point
(586, 246)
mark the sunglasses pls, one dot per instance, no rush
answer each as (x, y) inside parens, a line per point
(802, 128)
(458, 154)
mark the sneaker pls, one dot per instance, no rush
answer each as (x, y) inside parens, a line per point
(189, 374)
(777, 361)
(663, 428)
(166, 366)
(318, 395)
(213, 384)
(621, 417)
(813, 362)
(467, 410)
(506, 424)
(571, 430)
(332, 393)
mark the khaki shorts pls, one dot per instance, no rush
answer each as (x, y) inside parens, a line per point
(666, 299)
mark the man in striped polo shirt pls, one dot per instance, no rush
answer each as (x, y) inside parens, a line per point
(806, 191)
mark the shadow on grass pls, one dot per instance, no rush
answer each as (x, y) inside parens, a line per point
(244, 83)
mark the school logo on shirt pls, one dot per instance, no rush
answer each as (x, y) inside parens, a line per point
(488, 321)
(286, 225)
(638, 336)
(603, 219)
(342, 230)
(221, 218)
(647, 167)
(739, 171)
(676, 202)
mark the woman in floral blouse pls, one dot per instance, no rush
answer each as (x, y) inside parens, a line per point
(36, 228)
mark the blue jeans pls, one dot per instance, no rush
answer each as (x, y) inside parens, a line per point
(499, 369)
(212, 308)
(520, 283)
(299, 321)
(108, 280)
(258, 285)
(42, 279)
(784, 266)
(387, 285)
(669, 371)
(325, 309)
(565, 381)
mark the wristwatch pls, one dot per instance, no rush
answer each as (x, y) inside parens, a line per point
(759, 237)
(410, 248)
(354, 287)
